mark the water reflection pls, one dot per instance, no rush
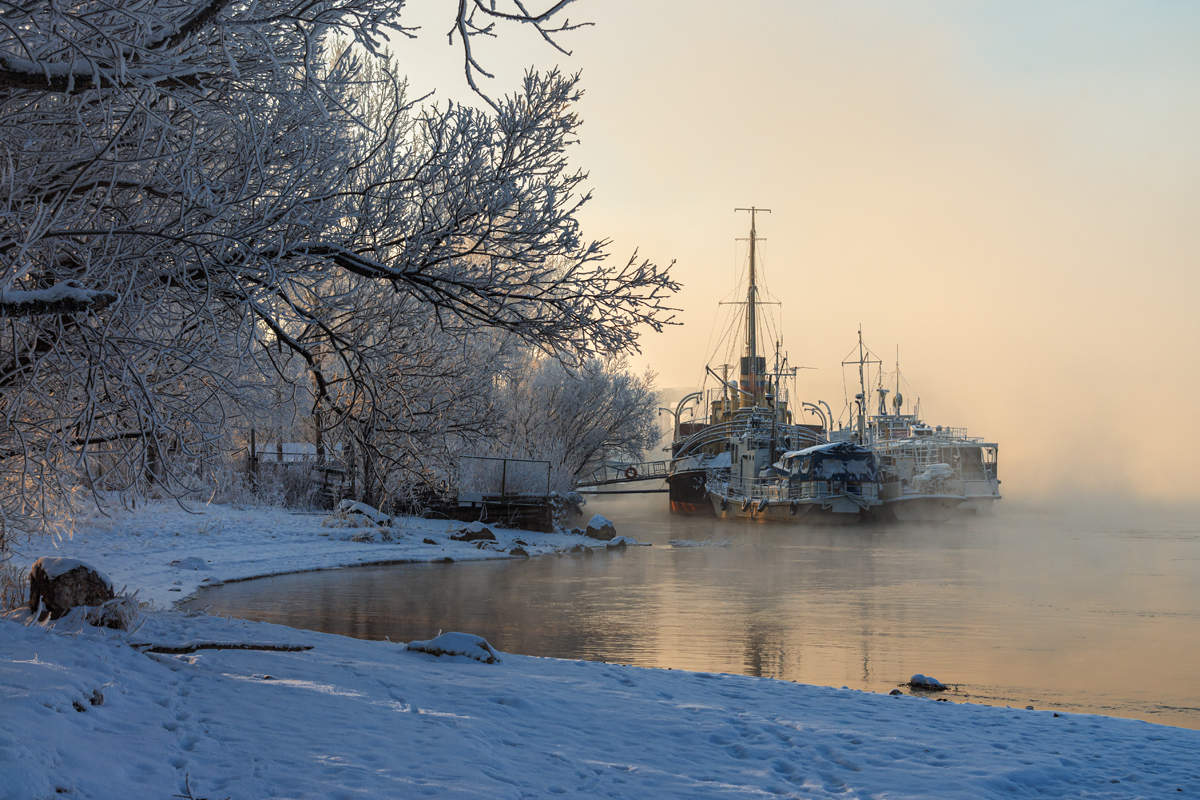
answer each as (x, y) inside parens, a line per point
(1020, 608)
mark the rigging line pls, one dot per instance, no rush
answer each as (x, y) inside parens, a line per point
(845, 396)
(776, 332)
(766, 283)
(726, 333)
(735, 265)
(740, 272)
(727, 325)
(711, 329)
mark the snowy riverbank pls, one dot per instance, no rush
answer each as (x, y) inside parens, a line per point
(350, 718)
(166, 553)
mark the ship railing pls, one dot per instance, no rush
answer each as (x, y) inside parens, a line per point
(924, 452)
(720, 433)
(775, 490)
(958, 433)
(713, 434)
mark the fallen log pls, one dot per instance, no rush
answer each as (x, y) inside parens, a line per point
(175, 650)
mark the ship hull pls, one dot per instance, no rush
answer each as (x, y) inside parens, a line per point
(929, 508)
(687, 493)
(837, 511)
(979, 505)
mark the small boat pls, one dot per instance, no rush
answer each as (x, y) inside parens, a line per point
(830, 482)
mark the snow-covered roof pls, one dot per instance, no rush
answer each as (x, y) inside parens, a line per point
(839, 448)
(721, 459)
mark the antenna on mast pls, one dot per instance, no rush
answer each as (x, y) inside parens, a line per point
(752, 288)
(861, 397)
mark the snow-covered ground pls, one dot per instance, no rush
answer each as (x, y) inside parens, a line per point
(165, 552)
(85, 714)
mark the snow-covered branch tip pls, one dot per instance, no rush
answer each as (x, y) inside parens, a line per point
(546, 22)
(67, 297)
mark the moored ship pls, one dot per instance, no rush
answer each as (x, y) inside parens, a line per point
(926, 473)
(829, 482)
(746, 456)
(750, 414)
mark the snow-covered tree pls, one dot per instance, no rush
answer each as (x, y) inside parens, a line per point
(420, 395)
(183, 181)
(577, 417)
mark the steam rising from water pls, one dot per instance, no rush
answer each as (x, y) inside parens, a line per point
(1030, 606)
(1007, 192)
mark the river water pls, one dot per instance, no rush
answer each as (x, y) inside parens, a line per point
(1085, 612)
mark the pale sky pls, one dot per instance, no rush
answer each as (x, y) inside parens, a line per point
(1009, 191)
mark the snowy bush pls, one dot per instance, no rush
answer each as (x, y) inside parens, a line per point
(122, 613)
(14, 586)
(352, 514)
(577, 416)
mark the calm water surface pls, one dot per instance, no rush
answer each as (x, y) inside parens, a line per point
(1078, 612)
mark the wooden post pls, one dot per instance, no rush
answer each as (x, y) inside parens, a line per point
(503, 477)
(252, 461)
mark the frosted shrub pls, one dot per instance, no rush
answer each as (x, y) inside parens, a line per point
(14, 587)
(122, 613)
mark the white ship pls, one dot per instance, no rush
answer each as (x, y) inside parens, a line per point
(926, 473)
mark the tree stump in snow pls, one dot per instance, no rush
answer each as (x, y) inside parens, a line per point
(59, 584)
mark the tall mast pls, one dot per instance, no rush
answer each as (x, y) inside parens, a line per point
(751, 292)
(895, 399)
(752, 371)
(752, 289)
(862, 363)
(862, 387)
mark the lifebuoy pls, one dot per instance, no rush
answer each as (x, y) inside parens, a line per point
(631, 472)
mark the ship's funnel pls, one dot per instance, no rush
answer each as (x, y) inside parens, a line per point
(753, 379)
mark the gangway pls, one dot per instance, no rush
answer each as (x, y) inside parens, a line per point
(631, 472)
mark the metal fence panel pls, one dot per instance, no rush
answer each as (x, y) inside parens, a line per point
(481, 476)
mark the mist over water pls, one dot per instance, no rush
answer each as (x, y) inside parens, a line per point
(1082, 610)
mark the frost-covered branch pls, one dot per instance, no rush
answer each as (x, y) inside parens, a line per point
(479, 17)
(200, 198)
(62, 298)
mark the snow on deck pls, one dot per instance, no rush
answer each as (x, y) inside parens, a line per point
(86, 715)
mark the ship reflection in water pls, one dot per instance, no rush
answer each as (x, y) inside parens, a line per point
(1018, 608)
